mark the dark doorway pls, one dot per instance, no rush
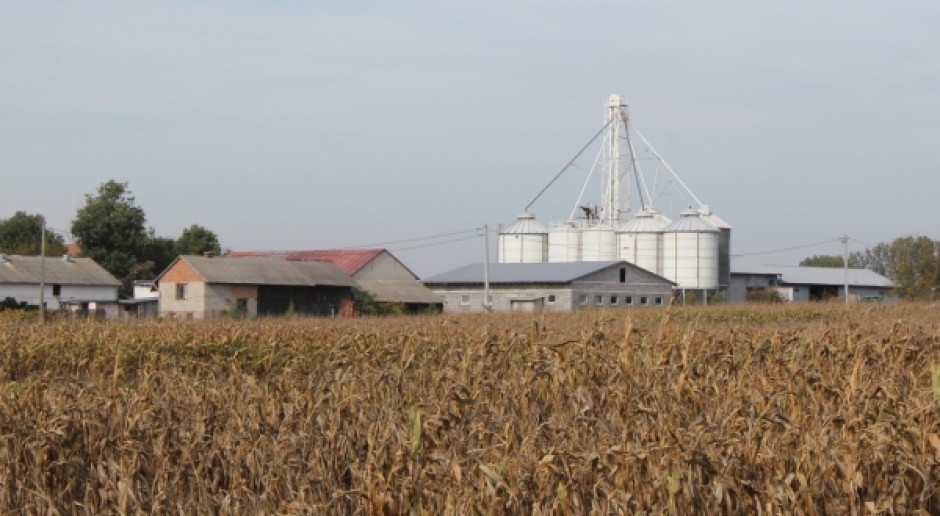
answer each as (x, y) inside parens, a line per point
(823, 292)
(319, 300)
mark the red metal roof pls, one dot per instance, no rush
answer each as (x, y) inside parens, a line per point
(349, 260)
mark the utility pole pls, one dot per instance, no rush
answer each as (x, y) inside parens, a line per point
(845, 265)
(42, 273)
(486, 268)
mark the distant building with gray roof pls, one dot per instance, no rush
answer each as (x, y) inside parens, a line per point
(199, 287)
(559, 286)
(796, 283)
(73, 284)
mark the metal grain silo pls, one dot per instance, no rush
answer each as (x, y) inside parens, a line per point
(724, 244)
(690, 252)
(523, 241)
(598, 243)
(640, 240)
(564, 243)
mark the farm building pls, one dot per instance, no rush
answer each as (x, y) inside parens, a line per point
(144, 304)
(77, 285)
(199, 287)
(551, 286)
(795, 283)
(376, 271)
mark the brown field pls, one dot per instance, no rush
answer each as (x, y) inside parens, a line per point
(812, 409)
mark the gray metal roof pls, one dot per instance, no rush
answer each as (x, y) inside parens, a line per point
(690, 221)
(795, 275)
(561, 272)
(713, 219)
(400, 291)
(747, 266)
(61, 271)
(525, 224)
(646, 221)
(266, 271)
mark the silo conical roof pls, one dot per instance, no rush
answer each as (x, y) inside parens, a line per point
(646, 221)
(713, 219)
(691, 221)
(525, 224)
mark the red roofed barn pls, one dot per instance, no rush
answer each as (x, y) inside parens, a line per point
(376, 271)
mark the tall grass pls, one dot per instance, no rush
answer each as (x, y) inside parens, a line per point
(717, 410)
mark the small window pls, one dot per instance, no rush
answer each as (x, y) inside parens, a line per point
(551, 298)
(182, 289)
(628, 300)
(598, 300)
(623, 275)
(643, 300)
(613, 300)
(241, 305)
(582, 299)
(189, 316)
(57, 290)
(659, 300)
(465, 299)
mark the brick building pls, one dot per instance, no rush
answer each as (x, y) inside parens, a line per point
(200, 287)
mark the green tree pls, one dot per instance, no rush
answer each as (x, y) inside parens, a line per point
(161, 251)
(197, 240)
(22, 234)
(366, 303)
(110, 229)
(879, 259)
(825, 260)
(916, 268)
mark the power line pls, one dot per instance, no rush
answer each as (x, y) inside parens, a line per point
(869, 246)
(436, 243)
(789, 248)
(417, 239)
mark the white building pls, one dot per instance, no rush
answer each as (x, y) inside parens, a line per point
(527, 287)
(795, 283)
(74, 284)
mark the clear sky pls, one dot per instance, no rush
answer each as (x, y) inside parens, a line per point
(299, 125)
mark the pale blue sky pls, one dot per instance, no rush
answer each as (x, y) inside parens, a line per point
(296, 125)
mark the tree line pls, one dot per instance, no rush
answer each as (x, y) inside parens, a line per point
(110, 228)
(911, 262)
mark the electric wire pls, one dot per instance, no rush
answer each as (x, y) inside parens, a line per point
(434, 244)
(416, 239)
(795, 248)
(562, 171)
(868, 246)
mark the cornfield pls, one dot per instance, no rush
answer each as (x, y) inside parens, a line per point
(813, 409)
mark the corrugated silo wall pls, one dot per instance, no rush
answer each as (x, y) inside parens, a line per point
(724, 257)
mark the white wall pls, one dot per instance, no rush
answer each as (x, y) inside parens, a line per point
(30, 294)
(385, 267)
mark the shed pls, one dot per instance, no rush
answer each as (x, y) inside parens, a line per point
(797, 283)
(560, 286)
(74, 284)
(376, 271)
(199, 287)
